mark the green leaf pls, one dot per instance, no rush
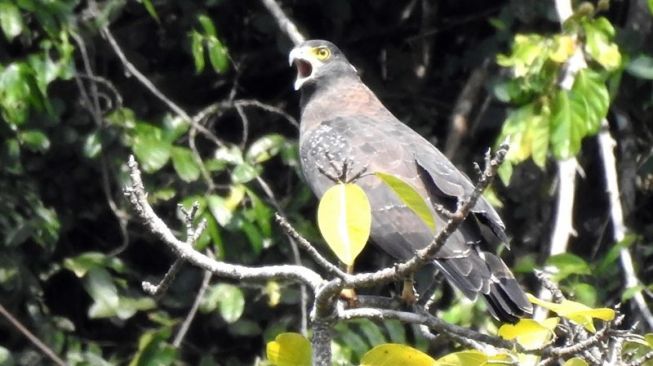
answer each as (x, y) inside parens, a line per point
(92, 145)
(98, 283)
(152, 152)
(207, 25)
(641, 67)
(650, 6)
(15, 93)
(265, 148)
(217, 55)
(576, 312)
(220, 211)
(151, 10)
(5, 357)
(197, 48)
(184, 163)
(410, 197)
(531, 334)
(244, 173)
(577, 113)
(344, 217)
(607, 262)
(599, 33)
(34, 140)
(568, 264)
(228, 299)
(392, 354)
(289, 349)
(84, 262)
(153, 349)
(129, 306)
(11, 21)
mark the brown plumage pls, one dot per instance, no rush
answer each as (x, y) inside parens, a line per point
(342, 119)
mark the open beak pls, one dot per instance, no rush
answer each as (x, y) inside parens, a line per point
(299, 59)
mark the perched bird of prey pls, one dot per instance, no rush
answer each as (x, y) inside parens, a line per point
(342, 120)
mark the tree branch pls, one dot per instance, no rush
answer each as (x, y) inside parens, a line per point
(285, 24)
(607, 145)
(138, 198)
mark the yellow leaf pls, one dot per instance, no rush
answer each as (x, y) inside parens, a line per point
(289, 349)
(576, 361)
(531, 334)
(392, 354)
(474, 358)
(410, 197)
(344, 217)
(564, 48)
(273, 290)
(576, 312)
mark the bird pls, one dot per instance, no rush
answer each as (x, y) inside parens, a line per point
(342, 120)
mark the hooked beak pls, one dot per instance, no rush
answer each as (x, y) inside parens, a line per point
(298, 58)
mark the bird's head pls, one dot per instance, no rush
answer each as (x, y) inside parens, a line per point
(318, 61)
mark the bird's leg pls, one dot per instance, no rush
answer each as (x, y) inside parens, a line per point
(408, 294)
(341, 174)
(348, 294)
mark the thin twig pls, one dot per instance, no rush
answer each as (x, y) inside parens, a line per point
(138, 199)
(285, 24)
(607, 145)
(308, 247)
(185, 326)
(47, 351)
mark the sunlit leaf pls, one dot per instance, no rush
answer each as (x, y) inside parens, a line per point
(244, 173)
(11, 21)
(184, 163)
(84, 262)
(152, 151)
(576, 312)
(289, 349)
(531, 334)
(273, 292)
(568, 264)
(227, 299)
(565, 46)
(264, 148)
(92, 145)
(599, 45)
(99, 284)
(576, 361)
(197, 49)
(207, 25)
(474, 358)
(34, 140)
(392, 354)
(151, 10)
(344, 217)
(577, 113)
(217, 55)
(410, 197)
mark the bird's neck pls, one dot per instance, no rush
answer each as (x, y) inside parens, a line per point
(342, 97)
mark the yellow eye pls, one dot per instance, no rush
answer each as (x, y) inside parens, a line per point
(322, 53)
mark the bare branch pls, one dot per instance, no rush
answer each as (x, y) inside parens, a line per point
(308, 247)
(47, 351)
(286, 25)
(607, 145)
(138, 198)
(181, 333)
(457, 333)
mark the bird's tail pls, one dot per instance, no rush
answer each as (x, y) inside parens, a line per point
(486, 274)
